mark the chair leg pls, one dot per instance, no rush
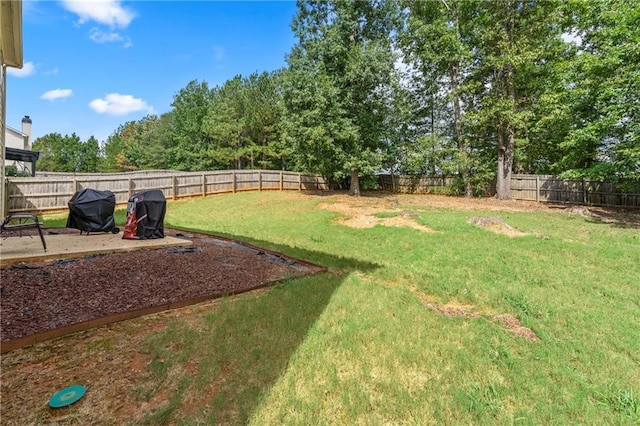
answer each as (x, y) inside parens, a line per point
(44, 245)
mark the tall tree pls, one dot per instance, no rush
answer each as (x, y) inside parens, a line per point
(122, 149)
(225, 126)
(67, 153)
(336, 87)
(89, 156)
(435, 45)
(155, 141)
(513, 46)
(603, 93)
(112, 150)
(263, 116)
(191, 141)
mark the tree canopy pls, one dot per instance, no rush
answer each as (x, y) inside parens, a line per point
(67, 153)
(477, 89)
(338, 81)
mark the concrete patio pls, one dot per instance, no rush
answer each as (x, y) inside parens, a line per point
(28, 248)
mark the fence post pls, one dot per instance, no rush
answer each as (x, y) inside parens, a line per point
(537, 188)
(130, 189)
(299, 181)
(174, 186)
(75, 186)
(584, 191)
(233, 174)
(204, 185)
(281, 181)
(259, 180)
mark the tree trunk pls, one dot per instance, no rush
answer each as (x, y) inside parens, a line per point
(354, 188)
(454, 68)
(508, 161)
(500, 191)
(507, 129)
(506, 147)
(505, 162)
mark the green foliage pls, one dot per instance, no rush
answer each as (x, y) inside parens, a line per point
(190, 109)
(67, 153)
(335, 89)
(143, 144)
(244, 123)
(603, 105)
(13, 171)
(436, 49)
(477, 68)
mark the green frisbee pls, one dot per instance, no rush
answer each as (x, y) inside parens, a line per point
(67, 396)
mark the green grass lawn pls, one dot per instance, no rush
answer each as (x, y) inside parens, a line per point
(360, 345)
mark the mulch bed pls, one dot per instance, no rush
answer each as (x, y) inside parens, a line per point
(38, 298)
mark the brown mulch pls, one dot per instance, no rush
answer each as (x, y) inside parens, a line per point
(41, 297)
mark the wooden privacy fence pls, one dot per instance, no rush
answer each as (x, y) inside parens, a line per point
(541, 188)
(52, 191)
(552, 189)
(415, 184)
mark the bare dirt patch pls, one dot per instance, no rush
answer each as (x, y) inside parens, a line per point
(378, 201)
(512, 323)
(515, 326)
(107, 360)
(496, 224)
(453, 309)
(365, 214)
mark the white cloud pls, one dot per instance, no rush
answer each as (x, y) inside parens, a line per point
(100, 37)
(117, 104)
(54, 94)
(109, 37)
(27, 69)
(107, 12)
(53, 71)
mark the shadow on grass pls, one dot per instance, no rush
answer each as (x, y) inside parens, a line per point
(626, 219)
(217, 365)
(320, 258)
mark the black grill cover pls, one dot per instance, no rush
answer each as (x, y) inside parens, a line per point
(145, 216)
(91, 210)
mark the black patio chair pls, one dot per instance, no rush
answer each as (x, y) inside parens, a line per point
(19, 222)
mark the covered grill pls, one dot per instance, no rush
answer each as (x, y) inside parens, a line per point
(91, 210)
(145, 216)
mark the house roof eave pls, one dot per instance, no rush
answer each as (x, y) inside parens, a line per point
(11, 33)
(16, 131)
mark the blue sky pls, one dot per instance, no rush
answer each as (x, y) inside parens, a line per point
(93, 65)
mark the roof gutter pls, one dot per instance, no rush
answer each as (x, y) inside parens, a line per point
(11, 33)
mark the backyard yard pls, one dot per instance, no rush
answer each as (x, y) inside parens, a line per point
(432, 310)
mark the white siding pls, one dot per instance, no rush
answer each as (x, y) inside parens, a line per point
(14, 139)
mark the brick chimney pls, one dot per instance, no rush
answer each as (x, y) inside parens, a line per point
(26, 130)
